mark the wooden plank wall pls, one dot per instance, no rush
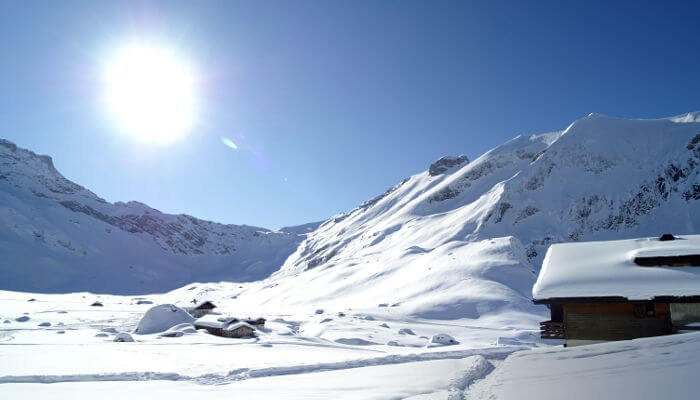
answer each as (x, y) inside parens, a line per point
(615, 321)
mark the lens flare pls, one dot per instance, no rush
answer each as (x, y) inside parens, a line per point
(228, 142)
(259, 160)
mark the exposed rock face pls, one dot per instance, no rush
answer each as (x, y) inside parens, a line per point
(444, 163)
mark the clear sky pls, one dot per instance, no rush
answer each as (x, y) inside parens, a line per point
(330, 103)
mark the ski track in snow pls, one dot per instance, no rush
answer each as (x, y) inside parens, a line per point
(480, 369)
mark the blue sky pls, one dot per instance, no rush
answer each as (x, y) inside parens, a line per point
(339, 100)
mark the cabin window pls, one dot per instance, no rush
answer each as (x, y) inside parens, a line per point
(688, 260)
(644, 310)
(649, 310)
(557, 313)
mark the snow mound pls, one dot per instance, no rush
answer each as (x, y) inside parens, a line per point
(179, 330)
(354, 341)
(161, 318)
(443, 338)
(123, 337)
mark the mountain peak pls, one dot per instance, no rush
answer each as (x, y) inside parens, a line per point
(687, 117)
(47, 160)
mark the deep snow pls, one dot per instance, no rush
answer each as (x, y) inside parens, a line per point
(290, 359)
(650, 368)
(290, 353)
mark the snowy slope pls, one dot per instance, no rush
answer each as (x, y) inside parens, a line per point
(57, 236)
(650, 368)
(465, 239)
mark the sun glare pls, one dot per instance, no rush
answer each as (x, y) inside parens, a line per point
(150, 93)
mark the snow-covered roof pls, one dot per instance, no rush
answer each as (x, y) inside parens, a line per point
(236, 325)
(215, 320)
(607, 269)
(204, 303)
(218, 321)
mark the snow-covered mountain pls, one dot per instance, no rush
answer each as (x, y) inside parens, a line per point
(57, 236)
(465, 239)
(462, 239)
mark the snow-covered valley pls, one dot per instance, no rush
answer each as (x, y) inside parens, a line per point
(65, 341)
(352, 304)
(65, 350)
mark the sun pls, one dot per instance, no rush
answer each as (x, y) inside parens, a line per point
(150, 93)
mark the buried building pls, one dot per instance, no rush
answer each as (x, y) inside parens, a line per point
(229, 327)
(201, 309)
(622, 289)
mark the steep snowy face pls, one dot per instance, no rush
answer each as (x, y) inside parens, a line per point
(466, 239)
(58, 236)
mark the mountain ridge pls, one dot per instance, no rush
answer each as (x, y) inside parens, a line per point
(49, 220)
(600, 178)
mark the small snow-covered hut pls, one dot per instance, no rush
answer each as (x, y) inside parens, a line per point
(621, 289)
(201, 309)
(229, 327)
(255, 321)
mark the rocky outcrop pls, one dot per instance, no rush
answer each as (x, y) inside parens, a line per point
(445, 163)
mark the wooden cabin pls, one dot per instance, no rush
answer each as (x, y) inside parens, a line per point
(623, 289)
(229, 327)
(201, 309)
(256, 321)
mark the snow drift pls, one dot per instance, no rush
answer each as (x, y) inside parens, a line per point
(161, 318)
